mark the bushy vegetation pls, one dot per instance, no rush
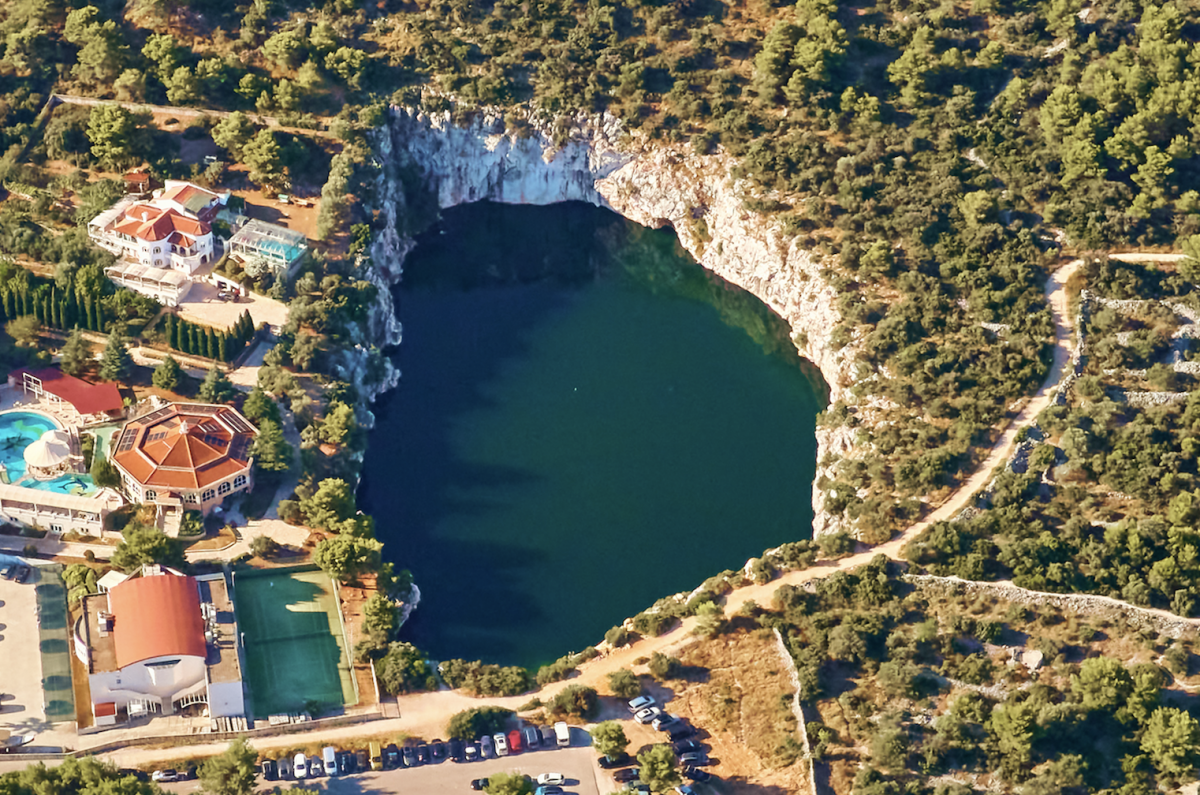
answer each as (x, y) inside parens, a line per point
(874, 654)
(475, 722)
(482, 679)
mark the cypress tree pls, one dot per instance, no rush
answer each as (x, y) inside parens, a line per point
(185, 336)
(223, 346)
(210, 343)
(24, 302)
(93, 322)
(172, 332)
(193, 339)
(99, 316)
(10, 304)
(56, 314)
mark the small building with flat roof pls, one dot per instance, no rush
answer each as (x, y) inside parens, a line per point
(275, 247)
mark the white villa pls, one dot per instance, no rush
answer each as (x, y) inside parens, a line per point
(161, 242)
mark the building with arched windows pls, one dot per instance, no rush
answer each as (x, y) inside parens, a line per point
(185, 456)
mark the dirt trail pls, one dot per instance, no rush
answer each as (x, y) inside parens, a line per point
(426, 714)
(1057, 298)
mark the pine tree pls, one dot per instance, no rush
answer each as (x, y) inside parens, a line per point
(75, 353)
(217, 388)
(115, 363)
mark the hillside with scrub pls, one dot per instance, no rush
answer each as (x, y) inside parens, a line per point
(937, 159)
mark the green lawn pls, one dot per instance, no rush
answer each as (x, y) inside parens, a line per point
(294, 650)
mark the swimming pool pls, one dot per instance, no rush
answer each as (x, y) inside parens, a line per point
(18, 430)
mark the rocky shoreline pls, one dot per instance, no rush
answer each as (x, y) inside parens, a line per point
(653, 185)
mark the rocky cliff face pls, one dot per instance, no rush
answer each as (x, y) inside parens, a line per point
(654, 185)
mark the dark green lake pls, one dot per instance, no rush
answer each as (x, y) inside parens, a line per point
(587, 421)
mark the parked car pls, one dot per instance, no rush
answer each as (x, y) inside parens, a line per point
(628, 774)
(637, 786)
(684, 789)
(471, 752)
(391, 757)
(641, 702)
(362, 759)
(285, 768)
(270, 771)
(532, 737)
(514, 741)
(345, 762)
(696, 774)
(680, 730)
(557, 779)
(329, 759)
(422, 753)
(409, 754)
(620, 760)
(23, 573)
(549, 738)
(479, 784)
(315, 766)
(437, 750)
(457, 749)
(164, 776)
(644, 716)
(300, 766)
(486, 748)
(501, 743)
(548, 791)
(8, 570)
(665, 722)
(694, 760)
(689, 747)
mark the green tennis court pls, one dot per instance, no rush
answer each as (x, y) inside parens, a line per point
(294, 649)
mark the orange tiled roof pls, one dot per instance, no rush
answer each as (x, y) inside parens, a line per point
(184, 446)
(190, 197)
(157, 616)
(147, 222)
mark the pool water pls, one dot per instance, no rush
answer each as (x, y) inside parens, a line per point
(18, 430)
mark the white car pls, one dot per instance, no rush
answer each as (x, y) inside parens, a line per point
(164, 776)
(641, 702)
(664, 722)
(644, 716)
(554, 779)
(300, 766)
(501, 744)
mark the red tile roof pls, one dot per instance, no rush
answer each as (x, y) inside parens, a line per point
(150, 223)
(87, 398)
(156, 616)
(185, 446)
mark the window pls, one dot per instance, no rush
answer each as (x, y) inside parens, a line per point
(207, 495)
(151, 496)
(224, 488)
(239, 481)
(191, 496)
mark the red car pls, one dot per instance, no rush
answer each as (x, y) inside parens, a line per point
(514, 741)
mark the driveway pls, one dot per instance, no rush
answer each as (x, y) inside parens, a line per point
(22, 708)
(578, 765)
(203, 305)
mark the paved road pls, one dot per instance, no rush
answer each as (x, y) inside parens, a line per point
(21, 703)
(576, 764)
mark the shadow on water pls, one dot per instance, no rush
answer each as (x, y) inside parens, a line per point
(506, 309)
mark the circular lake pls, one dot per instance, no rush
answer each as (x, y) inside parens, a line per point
(587, 421)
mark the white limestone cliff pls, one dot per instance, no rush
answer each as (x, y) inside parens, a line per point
(654, 184)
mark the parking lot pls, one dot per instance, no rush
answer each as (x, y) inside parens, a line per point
(578, 765)
(22, 709)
